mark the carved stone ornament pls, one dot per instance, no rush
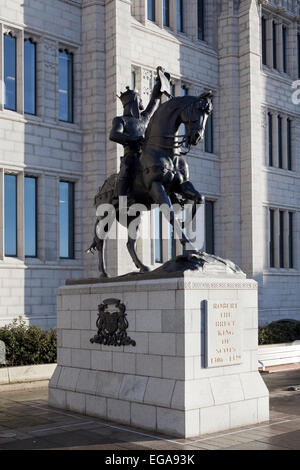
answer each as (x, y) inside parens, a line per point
(112, 325)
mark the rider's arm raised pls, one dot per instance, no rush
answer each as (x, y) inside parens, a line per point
(154, 101)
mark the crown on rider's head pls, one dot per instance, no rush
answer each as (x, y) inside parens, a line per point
(127, 96)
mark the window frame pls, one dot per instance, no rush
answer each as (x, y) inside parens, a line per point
(8, 255)
(34, 42)
(36, 217)
(70, 53)
(151, 10)
(71, 222)
(13, 36)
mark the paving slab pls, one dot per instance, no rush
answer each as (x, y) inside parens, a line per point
(27, 422)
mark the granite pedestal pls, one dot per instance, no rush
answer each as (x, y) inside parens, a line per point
(193, 369)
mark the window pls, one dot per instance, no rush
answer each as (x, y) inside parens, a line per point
(29, 76)
(200, 13)
(184, 92)
(291, 240)
(289, 144)
(66, 219)
(133, 79)
(270, 138)
(30, 216)
(10, 215)
(166, 13)
(272, 238)
(281, 239)
(274, 27)
(151, 10)
(209, 135)
(209, 227)
(280, 162)
(10, 72)
(298, 42)
(172, 242)
(284, 48)
(158, 235)
(172, 89)
(65, 78)
(179, 15)
(264, 40)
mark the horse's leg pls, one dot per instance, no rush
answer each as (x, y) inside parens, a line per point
(131, 245)
(160, 196)
(98, 244)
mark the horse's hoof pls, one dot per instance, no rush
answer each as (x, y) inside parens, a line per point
(103, 276)
(145, 269)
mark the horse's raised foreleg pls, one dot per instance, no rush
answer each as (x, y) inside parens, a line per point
(161, 197)
(133, 228)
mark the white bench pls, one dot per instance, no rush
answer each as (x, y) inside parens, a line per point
(272, 355)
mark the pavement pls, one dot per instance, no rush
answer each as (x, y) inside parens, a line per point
(28, 423)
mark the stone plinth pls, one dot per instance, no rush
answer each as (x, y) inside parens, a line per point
(180, 378)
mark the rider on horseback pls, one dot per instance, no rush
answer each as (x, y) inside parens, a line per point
(129, 129)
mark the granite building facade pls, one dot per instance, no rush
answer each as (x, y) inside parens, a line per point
(62, 65)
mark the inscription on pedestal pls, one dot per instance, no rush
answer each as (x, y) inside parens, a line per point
(223, 333)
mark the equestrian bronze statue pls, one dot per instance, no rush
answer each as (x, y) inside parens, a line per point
(153, 169)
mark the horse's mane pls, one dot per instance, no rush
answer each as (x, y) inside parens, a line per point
(170, 106)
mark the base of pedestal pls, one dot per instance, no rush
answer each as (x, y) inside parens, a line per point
(165, 383)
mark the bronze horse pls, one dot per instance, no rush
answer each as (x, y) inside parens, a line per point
(161, 174)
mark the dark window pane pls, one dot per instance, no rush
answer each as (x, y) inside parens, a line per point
(281, 239)
(66, 219)
(272, 240)
(166, 13)
(270, 138)
(274, 45)
(133, 80)
(158, 235)
(30, 216)
(201, 20)
(280, 142)
(182, 130)
(209, 227)
(284, 44)
(298, 41)
(29, 76)
(151, 10)
(289, 144)
(172, 89)
(10, 72)
(291, 240)
(172, 242)
(264, 40)
(10, 215)
(65, 85)
(209, 135)
(179, 15)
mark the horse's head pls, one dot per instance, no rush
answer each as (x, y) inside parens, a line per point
(195, 115)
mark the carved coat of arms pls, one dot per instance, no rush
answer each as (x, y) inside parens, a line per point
(112, 325)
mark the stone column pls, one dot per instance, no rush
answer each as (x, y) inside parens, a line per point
(230, 168)
(252, 95)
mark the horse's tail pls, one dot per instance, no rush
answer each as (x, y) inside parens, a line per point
(106, 191)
